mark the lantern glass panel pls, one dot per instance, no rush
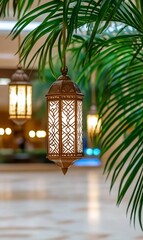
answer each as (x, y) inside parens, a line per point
(79, 127)
(20, 101)
(12, 100)
(68, 126)
(53, 127)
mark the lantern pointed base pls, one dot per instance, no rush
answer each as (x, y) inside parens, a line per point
(64, 170)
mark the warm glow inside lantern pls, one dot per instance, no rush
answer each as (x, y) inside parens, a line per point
(93, 125)
(20, 97)
(64, 123)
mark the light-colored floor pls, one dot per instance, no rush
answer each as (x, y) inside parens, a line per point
(51, 206)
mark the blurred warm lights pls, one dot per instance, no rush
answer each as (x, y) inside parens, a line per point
(1, 131)
(38, 134)
(41, 134)
(8, 131)
(32, 134)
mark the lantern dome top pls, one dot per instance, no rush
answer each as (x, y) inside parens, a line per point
(93, 109)
(64, 85)
(19, 76)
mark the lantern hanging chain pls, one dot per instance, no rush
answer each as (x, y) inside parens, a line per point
(93, 98)
(19, 41)
(64, 67)
(64, 41)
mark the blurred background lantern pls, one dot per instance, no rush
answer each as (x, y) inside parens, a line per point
(93, 121)
(20, 97)
(20, 94)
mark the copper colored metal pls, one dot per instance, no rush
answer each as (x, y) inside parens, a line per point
(64, 122)
(64, 170)
(19, 77)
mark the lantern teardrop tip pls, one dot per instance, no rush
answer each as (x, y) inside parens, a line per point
(64, 170)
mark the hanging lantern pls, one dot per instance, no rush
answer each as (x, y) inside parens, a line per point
(93, 125)
(64, 122)
(20, 97)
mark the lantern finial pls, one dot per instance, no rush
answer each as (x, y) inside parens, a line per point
(64, 71)
(64, 170)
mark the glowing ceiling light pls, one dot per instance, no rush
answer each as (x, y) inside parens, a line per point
(8, 26)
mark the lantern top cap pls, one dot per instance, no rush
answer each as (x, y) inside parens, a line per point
(64, 71)
(19, 76)
(93, 109)
(64, 85)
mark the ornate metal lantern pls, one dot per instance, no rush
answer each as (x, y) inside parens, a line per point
(20, 97)
(64, 122)
(93, 121)
(93, 125)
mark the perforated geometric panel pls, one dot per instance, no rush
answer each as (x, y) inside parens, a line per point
(79, 127)
(68, 126)
(53, 127)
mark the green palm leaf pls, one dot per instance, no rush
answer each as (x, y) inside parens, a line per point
(120, 98)
(21, 5)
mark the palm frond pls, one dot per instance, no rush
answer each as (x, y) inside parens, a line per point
(20, 6)
(50, 28)
(119, 95)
